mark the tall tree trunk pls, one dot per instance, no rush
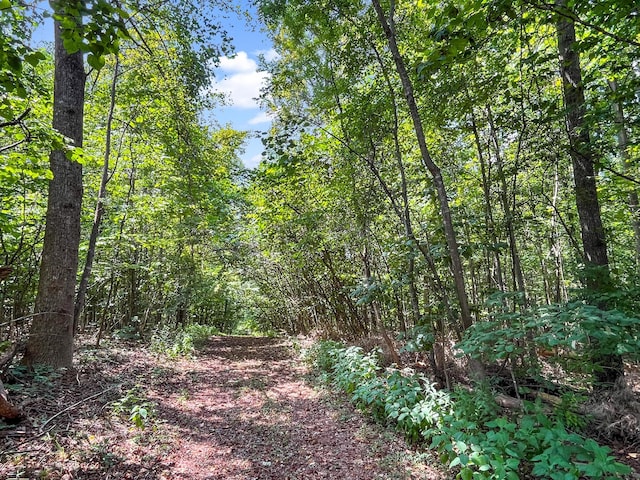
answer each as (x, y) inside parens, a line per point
(597, 275)
(388, 27)
(495, 272)
(582, 156)
(623, 145)
(51, 337)
(99, 211)
(509, 211)
(559, 289)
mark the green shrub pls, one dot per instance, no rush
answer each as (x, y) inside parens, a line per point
(584, 330)
(181, 342)
(133, 404)
(319, 355)
(351, 367)
(467, 428)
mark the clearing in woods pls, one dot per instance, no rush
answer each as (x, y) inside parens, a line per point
(241, 410)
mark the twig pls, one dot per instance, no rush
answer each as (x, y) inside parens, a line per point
(30, 316)
(70, 407)
(16, 121)
(35, 437)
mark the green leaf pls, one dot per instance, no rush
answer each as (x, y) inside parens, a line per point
(466, 474)
(34, 58)
(96, 61)
(70, 45)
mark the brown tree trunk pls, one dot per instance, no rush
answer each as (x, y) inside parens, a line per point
(51, 336)
(99, 211)
(436, 174)
(495, 272)
(509, 212)
(623, 145)
(597, 275)
(559, 289)
(582, 156)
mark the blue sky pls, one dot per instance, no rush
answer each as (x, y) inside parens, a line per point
(237, 77)
(240, 80)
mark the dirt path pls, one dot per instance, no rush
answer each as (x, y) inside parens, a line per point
(246, 413)
(240, 411)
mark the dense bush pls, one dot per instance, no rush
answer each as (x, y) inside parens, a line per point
(467, 428)
(577, 332)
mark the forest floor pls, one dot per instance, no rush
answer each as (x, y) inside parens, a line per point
(242, 409)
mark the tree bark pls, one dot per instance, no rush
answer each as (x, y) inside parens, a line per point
(51, 337)
(597, 276)
(623, 145)
(431, 166)
(582, 156)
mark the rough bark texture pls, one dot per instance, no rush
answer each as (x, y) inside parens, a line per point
(5, 272)
(51, 337)
(582, 157)
(434, 170)
(596, 261)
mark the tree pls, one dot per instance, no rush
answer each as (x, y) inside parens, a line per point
(583, 158)
(598, 278)
(482, 116)
(388, 26)
(51, 336)
(99, 211)
(107, 25)
(25, 139)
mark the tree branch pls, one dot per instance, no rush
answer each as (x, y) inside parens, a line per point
(566, 13)
(621, 175)
(19, 122)
(16, 121)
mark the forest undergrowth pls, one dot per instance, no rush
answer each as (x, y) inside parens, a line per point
(537, 436)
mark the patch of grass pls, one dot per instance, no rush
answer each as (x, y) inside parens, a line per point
(184, 396)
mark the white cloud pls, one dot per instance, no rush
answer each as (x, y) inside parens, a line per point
(269, 55)
(241, 63)
(242, 82)
(253, 162)
(262, 117)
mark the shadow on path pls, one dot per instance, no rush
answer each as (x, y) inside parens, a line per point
(244, 413)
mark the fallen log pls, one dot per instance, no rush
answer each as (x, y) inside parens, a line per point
(8, 411)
